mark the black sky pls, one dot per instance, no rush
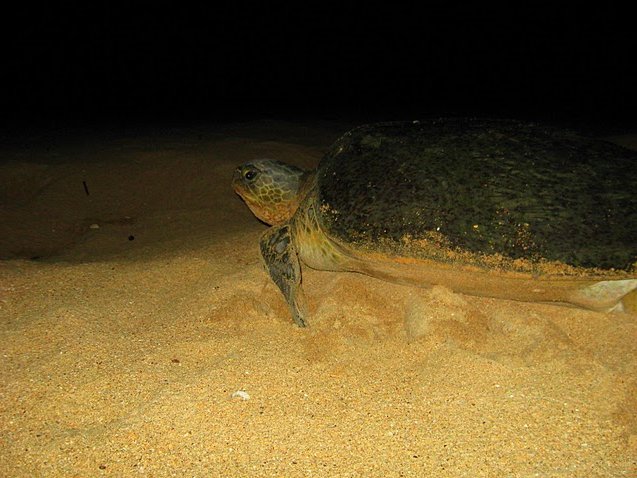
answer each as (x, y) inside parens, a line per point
(116, 63)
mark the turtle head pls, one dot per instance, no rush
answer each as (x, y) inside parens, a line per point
(270, 188)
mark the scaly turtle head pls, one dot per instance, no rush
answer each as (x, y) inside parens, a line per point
(270, 188)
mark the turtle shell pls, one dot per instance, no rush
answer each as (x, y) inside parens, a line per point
(485, 188)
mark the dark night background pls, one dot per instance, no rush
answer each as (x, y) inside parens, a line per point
(114, 64)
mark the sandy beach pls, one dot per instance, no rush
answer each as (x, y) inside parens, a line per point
(134, 307)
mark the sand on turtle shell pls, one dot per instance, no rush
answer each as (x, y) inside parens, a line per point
(133, 305)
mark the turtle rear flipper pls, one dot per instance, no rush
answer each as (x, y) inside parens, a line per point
(282, 262)
(609, 295)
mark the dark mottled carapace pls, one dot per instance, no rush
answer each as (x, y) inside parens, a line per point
(494, 187)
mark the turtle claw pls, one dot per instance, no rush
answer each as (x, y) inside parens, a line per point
(282, 262)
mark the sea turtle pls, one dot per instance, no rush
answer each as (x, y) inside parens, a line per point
(497, 208)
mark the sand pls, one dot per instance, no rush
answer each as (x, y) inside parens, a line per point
(133, 310)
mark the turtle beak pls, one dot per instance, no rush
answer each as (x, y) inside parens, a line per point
(237, 183)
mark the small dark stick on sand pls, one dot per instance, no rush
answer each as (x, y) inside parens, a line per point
(85, 187)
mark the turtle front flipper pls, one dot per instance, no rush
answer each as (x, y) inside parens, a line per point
(282, 262)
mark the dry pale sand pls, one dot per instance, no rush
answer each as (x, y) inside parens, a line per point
(122, 345)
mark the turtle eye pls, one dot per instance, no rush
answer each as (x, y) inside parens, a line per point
(249, 174)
